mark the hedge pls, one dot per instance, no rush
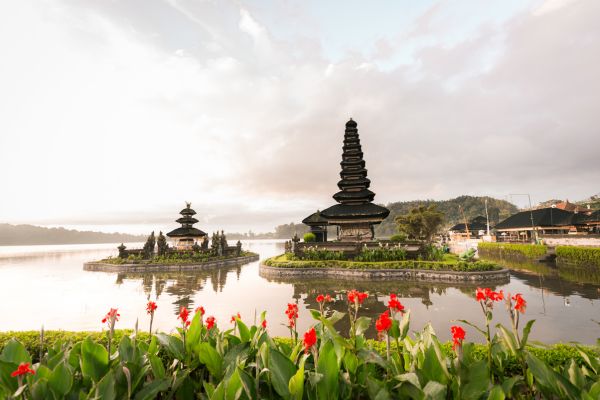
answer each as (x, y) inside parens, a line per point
(579, 255)
(530, 251)
(555, 355)
(462, 266)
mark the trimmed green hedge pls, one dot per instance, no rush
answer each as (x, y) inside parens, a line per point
(530, 251)
(283, 261)
(579, 255)
(188, 258)
(555, 355)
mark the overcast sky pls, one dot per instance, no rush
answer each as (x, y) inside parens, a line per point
(113, 113)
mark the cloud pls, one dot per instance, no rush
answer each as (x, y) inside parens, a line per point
(114, 110)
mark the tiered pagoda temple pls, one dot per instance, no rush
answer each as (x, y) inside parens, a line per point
(355, 215)
(185, 236)
(318, 226)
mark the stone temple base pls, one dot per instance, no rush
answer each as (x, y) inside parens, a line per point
(355, 232)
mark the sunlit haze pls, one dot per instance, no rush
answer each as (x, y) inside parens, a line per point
(114, 113)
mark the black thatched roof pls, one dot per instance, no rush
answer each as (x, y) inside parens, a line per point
(541, 217)
(315, 219)
(187, 220)
(473, 227)
(359, 211)
(186, 231)
(585, 218)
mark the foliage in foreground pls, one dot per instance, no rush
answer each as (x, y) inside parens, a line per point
(579, 255)
(516, 250)
(246, 363)
(286, 261)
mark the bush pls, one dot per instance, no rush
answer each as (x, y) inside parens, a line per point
(384, 253)
(579, 255)
(398, 237)
(516, 250)
(310, 237)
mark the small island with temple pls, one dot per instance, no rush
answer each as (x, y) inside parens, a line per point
(190, 250)
(356, 252)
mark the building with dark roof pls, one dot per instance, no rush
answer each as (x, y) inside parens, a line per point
(318, 226)
(186, 236)
(355, 214)
(476, 228)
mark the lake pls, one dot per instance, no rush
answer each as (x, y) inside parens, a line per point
(46, 285)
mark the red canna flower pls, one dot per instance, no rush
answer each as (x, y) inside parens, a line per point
(233, 317)
(264, 324)
(520, 303)
(22, 369)
(210, 322)
(394, 304)
(488, 294)
(480, 294)
(151, 307)
(292, 314)
(111, 317)
(458, 335)
(200, 310)
(383, 323)
(184, 315)
(320, 298)
(310, 339)
(354, 296)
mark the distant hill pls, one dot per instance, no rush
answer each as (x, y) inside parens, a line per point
(15, 235)
(472, 206)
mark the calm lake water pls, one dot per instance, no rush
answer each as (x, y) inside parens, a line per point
(47, 285)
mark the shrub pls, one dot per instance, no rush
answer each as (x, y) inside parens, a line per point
(398, 237)
(383, 253)
(310, 237)
(579, 255)
(516, 250)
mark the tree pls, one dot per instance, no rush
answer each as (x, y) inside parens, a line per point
(149, 246)
(161, 242)
(420, 223)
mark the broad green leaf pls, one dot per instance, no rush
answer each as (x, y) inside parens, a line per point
(94, 360)
(434, 365)
(245, 335)
(509, 340)
(371, 357)
(496, 393)
(526, 332)
(158, 369)
(194, 332)
(212, 359)
(15, 352)
(377, 389)
(394, 331)
(404, 325)
(350, 362)
(152, 389)
(478, 380)
(410, 377)
(248, 383)
(296, 383)
(173, 344)
(106, 387)
(61, 379)
(434, 391)
(282, 369)
(551, 383)
(126, 350)
(362, 324)
(40, 391)
(234, 388)
(327, 365)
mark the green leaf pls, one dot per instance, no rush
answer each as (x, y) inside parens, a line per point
(212, 359)
(377, 389)
(328, 366)
(281, 370)
(61, 379)
(478, 380)
(550, 382)
(158, 368)
(94, 360)
(435, 391)
(350, 362)
(434, 366)
(496, 393)
(362, 324)
(245, 335)
(526, 332)
(15, 352)
(233, 388)
(194, 332)
(509, 340)
(296, 383)
(152, 389)
(248, 383)
(40, 391)
(173, 344)
(106, 387)
(404, 325)
(394, 331)
(371, 357)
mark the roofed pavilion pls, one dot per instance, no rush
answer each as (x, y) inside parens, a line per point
(355, 214)
(186, 235)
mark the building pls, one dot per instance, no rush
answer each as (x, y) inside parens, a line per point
(355, 214)
(186, 236)
(318, 226)
(474, 229)
(527, 225)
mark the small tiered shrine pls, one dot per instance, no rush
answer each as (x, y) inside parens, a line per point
(186, 236)
(355, 215)
(318, 226)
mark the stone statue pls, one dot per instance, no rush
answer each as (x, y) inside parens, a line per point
(238, 248)
(122, 252)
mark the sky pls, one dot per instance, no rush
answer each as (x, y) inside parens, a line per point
(114, 113)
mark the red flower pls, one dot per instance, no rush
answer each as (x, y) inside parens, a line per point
(184, 314)
(292, 314)
(111, 316)
(383, 323)
(150, 307)
(23, 369)
(520, 303)
(310, 338)
(354, 296)
(480, 294)
(488, 294)
(210, 322)
(394, 304)
(323, 298)
(200, 310)
(233, 317)
(264, 324)
(458, 335)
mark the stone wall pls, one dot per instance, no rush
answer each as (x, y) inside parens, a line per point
(571, 240)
